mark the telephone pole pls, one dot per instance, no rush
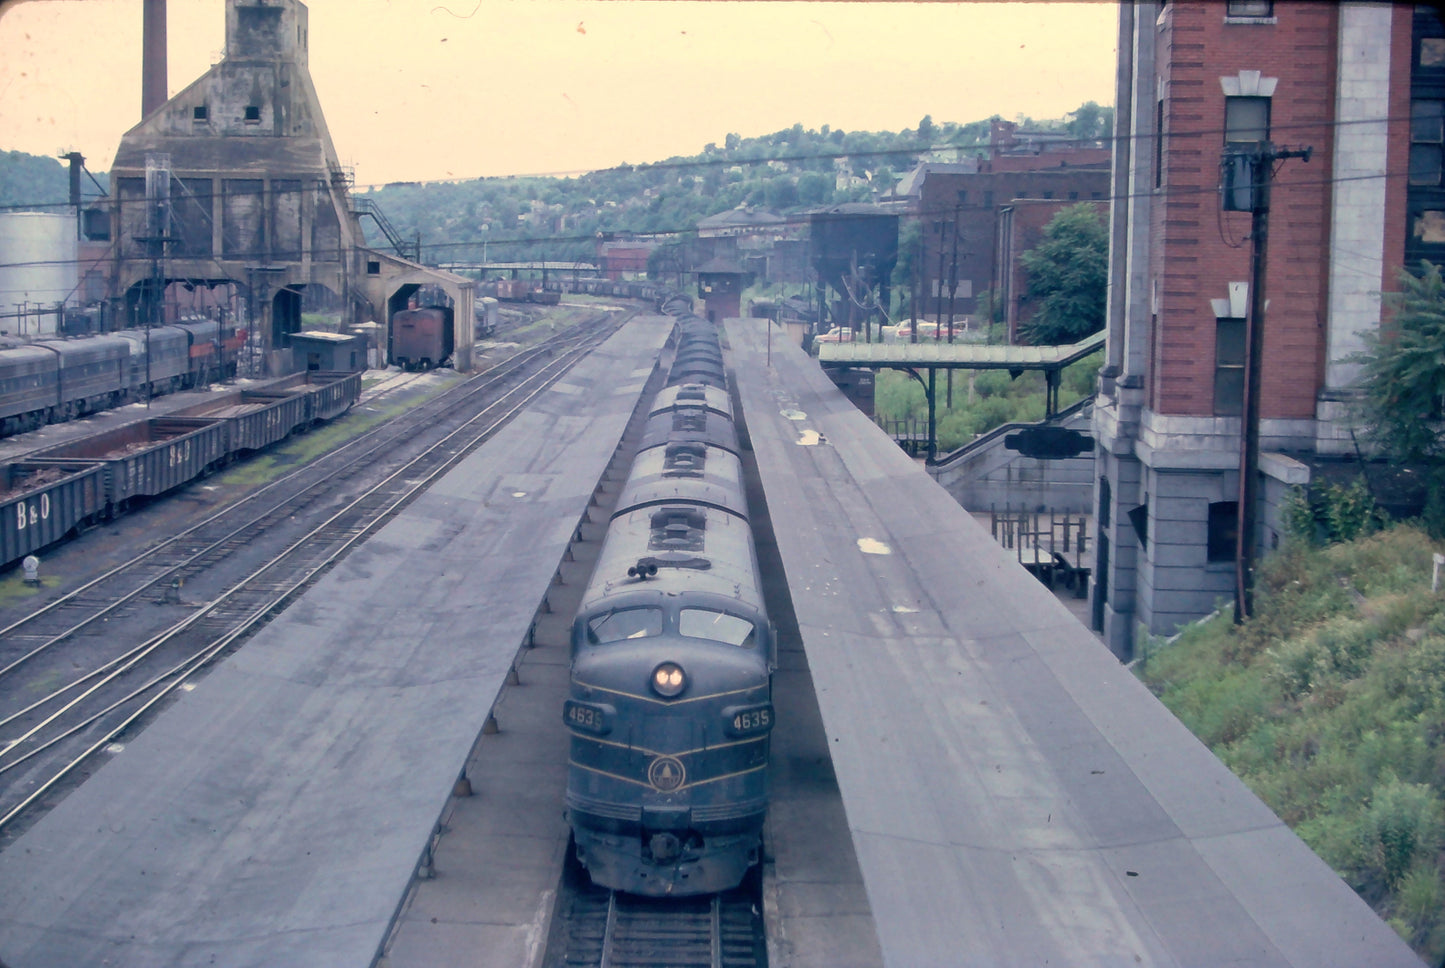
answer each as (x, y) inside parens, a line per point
(1247, 179)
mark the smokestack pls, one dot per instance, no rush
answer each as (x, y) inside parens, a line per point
(153, 57)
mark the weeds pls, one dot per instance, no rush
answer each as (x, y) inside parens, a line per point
(1330, 704)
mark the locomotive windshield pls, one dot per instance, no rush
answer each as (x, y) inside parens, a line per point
(627, 623)
(704, 623)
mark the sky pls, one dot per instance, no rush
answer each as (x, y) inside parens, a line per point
(421, 90)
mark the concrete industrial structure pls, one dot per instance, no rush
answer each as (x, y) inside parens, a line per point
(235, 181)
(1195, 80)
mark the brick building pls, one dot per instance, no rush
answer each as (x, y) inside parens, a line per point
(1197, 78)
(1021, 226)
(958, 205)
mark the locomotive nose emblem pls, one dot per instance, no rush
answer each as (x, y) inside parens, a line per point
(666, 773)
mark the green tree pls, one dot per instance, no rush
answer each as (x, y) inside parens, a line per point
(32, 180)
(781, 193)
(814, 188)
(1403, 379)
(1091, 122)
(1068, 277)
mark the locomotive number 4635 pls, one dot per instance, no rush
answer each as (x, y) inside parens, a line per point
(749, 720)
(589, 718)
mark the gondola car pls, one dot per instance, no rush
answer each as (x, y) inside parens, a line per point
(670, 709)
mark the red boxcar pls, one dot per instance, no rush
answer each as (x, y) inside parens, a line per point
(421, 339)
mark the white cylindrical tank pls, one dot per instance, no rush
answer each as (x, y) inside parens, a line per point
(39, 267)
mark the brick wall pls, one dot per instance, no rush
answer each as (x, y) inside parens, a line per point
(1200, 249)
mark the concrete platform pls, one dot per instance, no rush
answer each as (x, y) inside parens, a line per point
(276, 814)
(1014, 796)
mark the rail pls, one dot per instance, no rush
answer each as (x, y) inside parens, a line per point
(44, 742)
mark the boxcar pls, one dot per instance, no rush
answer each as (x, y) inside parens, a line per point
(421, 338)
(43, 501)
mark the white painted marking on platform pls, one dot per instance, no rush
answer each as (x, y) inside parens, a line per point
(872, 546)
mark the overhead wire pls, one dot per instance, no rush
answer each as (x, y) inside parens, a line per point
(1166, 191)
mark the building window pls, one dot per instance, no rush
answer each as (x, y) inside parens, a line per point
(1229, 346)
(962, 197)
(1426, 142)
(373, 268)
(1246, 120)
(1223, 530)
(199, 113)
(1249, 9)
(253, 113)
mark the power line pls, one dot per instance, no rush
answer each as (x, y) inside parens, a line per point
(1295, 128)
(1168, 193)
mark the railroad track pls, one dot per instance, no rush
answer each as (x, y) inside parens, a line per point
(189, 599)
(605, 929)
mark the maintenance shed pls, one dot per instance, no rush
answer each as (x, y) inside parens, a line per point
(313, 350)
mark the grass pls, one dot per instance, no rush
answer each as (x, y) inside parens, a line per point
(1330, 704)
(982, 400)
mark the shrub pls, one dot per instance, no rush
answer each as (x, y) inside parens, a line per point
(1419, 911)
(1403, 822)
(1350, 512)
(1297, 517)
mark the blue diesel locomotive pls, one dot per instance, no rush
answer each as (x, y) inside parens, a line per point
(670, 706)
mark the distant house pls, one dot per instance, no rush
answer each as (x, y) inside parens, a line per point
(743, 223)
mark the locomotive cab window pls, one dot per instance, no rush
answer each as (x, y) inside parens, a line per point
(704, 623)
(627, 623)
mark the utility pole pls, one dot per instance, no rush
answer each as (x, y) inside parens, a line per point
(952, 291)
(938, 284)
(158, 225)
(1248, 177)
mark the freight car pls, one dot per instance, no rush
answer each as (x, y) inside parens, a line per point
(54, 380)
(421, 339)
(55, 493)
(670, 709)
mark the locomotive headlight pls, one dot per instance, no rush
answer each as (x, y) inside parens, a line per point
(668, 680)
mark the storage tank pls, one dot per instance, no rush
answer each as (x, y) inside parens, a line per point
(39, 267)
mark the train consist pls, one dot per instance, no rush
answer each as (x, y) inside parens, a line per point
(50, 381)
(54, 493)
(670, 709)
